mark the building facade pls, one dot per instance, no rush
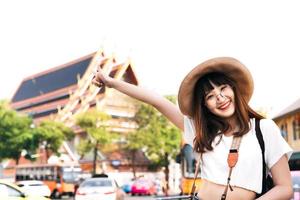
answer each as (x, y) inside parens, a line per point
(63, 92)
(288, 121)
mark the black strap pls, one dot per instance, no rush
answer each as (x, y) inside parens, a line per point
(261, 142)
(193, 191)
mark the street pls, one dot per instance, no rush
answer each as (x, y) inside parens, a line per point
(128, 197)
(139, 197)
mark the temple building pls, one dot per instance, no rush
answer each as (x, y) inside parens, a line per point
(288, 121)
(62, 92)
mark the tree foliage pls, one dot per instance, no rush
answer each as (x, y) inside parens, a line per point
(51, 134)
(94, 123)
(15, 133)
(18, 133)
(162, 136)
(158, 138)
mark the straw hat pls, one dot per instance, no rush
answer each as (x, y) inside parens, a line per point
(231, 67)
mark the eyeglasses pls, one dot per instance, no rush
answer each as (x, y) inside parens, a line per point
(217, 93)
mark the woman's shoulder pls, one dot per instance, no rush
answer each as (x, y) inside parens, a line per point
(267, 123)
(268, 127)
(189, 130)
(188, 119)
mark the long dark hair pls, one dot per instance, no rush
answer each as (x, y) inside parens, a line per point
(209, 125)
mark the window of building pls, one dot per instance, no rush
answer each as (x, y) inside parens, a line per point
(284, 133)
(296, 128)
(286, 129)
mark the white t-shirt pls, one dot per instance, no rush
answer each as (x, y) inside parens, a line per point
(248, 171)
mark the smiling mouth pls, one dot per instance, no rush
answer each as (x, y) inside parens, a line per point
(224, 106)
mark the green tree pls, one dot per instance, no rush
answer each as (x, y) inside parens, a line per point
(15, 133)
(94, 123)
(139, 139)
(51, 134)
(135, 142)
(155, 134)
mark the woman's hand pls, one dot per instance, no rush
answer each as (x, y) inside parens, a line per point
(101, 78)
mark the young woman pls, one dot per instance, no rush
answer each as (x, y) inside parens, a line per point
(213, 100)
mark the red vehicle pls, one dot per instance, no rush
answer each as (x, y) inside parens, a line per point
(143, 186)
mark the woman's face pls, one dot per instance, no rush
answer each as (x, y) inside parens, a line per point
(220, 100)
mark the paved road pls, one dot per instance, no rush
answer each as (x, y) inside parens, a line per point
(139, 197)
(154, 198)
(128, 197)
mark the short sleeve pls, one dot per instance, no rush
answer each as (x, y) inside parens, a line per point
(275, 144)
(189, 130)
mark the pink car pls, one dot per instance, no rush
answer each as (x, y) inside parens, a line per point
(143, 186)
(296, 184)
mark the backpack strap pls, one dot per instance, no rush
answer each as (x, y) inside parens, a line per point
(261, 142)
(193, 191)
(232, 159)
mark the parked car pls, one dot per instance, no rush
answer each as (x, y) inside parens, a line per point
(103, 188)
(296, 184)
(127, 187)
(33, 187)
(143, 186)
(13, 192)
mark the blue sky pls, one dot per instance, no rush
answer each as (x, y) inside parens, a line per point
(164, 40)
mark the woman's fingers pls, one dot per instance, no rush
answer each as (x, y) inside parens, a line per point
(99, 69)
(98, 75)
(100, 78)
(97, 83)
(97, 79)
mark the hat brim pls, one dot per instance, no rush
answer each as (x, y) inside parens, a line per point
(231, 67)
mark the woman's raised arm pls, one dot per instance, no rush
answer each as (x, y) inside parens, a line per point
(162, 104)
